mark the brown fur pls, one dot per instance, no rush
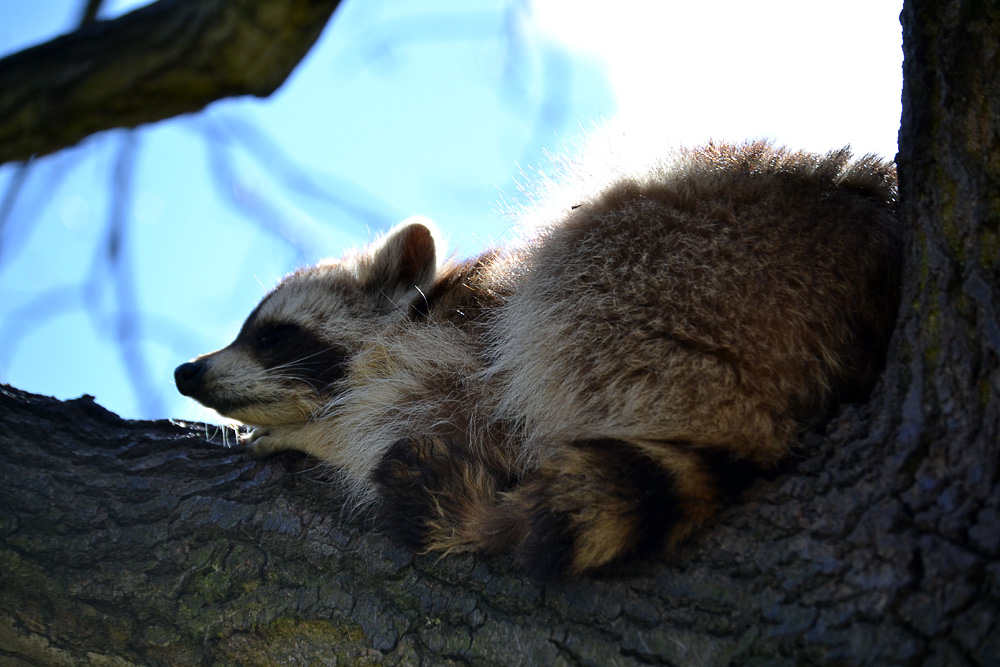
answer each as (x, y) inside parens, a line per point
(579, 398)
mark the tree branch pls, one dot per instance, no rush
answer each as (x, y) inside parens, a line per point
(148, 543)
(165, 59)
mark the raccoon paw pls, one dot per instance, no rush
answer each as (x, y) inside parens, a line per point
(256, 442)
(267, 440)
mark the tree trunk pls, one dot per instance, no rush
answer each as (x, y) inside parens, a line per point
(880, 544)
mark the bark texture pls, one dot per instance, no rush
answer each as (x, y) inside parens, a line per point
(162, 60)
(144, 542)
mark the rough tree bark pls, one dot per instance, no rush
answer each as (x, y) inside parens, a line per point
(162, 60)
(144, 542)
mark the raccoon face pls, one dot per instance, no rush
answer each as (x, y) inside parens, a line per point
(295, 348)
(275, 372)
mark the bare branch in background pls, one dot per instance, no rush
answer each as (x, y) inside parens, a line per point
(380, 43)
(162, 60)
(367, 207)
(59, 301)
(10, 197)
(128, 329)
(28, 317)
(224, 136)
(247, 201)
(91, 9)
(111, 267)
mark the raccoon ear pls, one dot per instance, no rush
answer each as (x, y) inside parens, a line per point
(405, 259)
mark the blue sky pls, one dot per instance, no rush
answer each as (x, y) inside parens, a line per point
(402, 108)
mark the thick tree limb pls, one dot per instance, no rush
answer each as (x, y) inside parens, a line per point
(145, 542)
(165, 59)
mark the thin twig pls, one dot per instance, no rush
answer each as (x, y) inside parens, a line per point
(91, 8)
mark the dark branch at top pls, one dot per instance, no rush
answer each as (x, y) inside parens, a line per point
(165, 59)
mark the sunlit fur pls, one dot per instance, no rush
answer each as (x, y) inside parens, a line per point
(586, 394)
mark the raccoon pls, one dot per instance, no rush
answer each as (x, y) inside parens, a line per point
(591, 393)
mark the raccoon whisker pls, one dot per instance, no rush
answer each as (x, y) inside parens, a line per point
(289, 373)
(395, 306)
(295, 378)
(427, 304)
(297, 360)
(213, 430)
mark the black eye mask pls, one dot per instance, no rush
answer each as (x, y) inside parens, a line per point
(295, 353)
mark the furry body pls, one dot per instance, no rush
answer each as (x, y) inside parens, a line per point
(584, 396)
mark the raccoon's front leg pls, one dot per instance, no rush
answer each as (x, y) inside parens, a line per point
(596, 502)
(304, 437)
(437, 496)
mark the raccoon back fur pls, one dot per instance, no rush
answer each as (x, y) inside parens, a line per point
(585, 396)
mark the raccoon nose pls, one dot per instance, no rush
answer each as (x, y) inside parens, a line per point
(188, 377)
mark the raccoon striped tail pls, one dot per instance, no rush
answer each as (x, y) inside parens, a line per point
(600, 502)
(595, 503)
(437, 497)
